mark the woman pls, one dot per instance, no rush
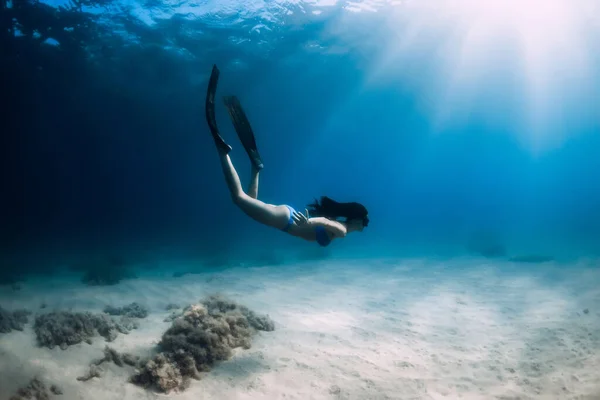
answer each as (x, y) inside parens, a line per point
(323, 227)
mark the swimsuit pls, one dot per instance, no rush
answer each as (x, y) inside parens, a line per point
(320, 232)
(322, 237)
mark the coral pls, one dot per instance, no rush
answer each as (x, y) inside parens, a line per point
(120, 359)
(258, 322)
(68, 328)
(130, 359)
(56, 390)
(14, 320)
(110, 355)
(133, 310)
(172, 306)
(36, 389)
(127, 324)
(200, 336)
(160, 374)
(218, 304)
(93, 372)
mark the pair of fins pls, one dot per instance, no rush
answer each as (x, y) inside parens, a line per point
(238, 118)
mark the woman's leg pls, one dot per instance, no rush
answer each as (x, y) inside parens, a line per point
(275, 216)
(253, 187)
(267, 214)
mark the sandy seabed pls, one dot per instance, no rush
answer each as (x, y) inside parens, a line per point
(358, 329)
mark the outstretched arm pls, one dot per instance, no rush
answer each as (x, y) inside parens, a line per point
(336, 228)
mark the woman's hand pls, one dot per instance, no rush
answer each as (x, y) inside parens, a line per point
(299, 218)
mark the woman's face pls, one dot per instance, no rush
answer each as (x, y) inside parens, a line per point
(355, 224)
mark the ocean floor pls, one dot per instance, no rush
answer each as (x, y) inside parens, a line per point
(359, 329)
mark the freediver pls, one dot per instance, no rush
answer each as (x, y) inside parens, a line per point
(320, 223)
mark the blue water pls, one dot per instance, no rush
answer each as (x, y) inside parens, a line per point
(449, 133)
(469, 129)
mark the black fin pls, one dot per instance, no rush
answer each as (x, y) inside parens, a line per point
(243, 129)
(210, 111)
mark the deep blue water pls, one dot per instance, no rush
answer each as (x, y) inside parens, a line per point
(455, 137)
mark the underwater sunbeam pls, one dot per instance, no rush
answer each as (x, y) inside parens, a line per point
(534, 57)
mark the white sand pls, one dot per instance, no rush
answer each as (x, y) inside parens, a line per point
(378, 329)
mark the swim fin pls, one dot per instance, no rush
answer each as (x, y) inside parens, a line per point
(210, 111)
(243, 129)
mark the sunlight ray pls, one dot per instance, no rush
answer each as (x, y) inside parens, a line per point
(467, 46)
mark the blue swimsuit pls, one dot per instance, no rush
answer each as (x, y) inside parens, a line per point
(321, 234)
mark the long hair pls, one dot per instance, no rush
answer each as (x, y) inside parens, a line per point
(332, 209)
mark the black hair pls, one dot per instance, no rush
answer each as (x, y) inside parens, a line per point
(331, 209)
